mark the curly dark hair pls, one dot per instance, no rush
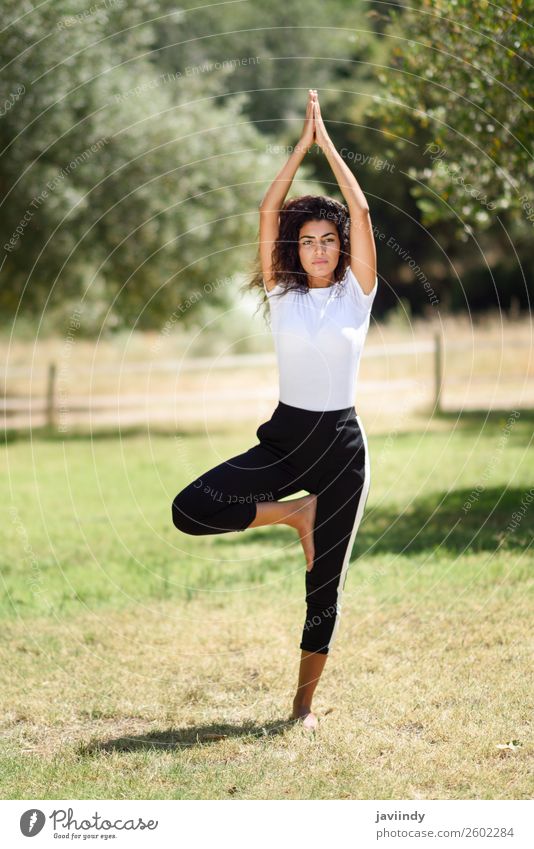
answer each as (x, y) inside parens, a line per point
(286, 265)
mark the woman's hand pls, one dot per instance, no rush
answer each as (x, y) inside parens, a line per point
(322, 139)
(272, 201)
(307, 138)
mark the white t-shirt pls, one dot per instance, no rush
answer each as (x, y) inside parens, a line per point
(319, 336)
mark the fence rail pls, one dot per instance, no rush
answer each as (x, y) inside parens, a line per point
(53, 405)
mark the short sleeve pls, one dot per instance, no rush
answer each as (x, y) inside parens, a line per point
(270, 292)
(364, 301)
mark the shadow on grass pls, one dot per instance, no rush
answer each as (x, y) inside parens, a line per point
(486, 423)
(477, 419)
(454, 522)
(45, 434)
(179, 738)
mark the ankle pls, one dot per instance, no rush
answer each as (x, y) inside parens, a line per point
(300, 704)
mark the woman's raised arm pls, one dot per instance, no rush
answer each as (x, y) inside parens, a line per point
(276, 193)
(362, 242)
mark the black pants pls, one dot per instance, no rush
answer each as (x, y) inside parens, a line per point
(320, 452)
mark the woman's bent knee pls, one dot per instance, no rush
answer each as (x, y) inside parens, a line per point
(183, 515)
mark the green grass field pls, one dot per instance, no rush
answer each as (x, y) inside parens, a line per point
(142, 663)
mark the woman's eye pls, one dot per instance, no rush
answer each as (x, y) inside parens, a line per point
(326, 241)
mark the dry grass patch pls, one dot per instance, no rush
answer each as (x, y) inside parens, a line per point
(411, 705)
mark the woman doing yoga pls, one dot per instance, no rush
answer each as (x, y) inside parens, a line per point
(318, 263)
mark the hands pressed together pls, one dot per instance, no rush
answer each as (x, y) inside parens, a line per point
(314, 130)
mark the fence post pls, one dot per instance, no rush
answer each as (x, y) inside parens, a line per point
(438, 371)
(51, 396)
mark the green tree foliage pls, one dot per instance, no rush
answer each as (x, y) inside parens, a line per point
(136, 140)
(412, 129)
(272, 51)
(460, 74)
(118, 183)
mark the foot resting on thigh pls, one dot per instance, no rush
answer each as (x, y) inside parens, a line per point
(298, 513)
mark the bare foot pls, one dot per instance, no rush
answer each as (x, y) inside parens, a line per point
(298, 513)
(309, 722)
(305, 717)
(304, 521)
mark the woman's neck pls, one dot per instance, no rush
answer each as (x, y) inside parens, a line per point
(318, 282)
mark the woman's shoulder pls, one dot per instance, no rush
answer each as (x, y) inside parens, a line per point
(277, 289)
(271, 289)
(363, 299)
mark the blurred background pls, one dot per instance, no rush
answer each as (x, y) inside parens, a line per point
(136, 143)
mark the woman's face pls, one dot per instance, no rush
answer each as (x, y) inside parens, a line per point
(319, 248)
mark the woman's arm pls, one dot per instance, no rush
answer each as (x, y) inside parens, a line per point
(276, 194)
(362, 242)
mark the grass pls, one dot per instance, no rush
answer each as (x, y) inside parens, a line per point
(147, 664)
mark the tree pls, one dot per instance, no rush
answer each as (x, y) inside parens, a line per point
(271, 51)
(460, 73)
(119, 185)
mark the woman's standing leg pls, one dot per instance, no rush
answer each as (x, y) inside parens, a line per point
(341, 499)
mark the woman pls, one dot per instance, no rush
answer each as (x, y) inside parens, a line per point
(318, 263)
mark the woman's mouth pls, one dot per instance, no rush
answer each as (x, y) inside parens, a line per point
(319, 262)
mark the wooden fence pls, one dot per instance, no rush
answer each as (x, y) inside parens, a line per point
(230, 395)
